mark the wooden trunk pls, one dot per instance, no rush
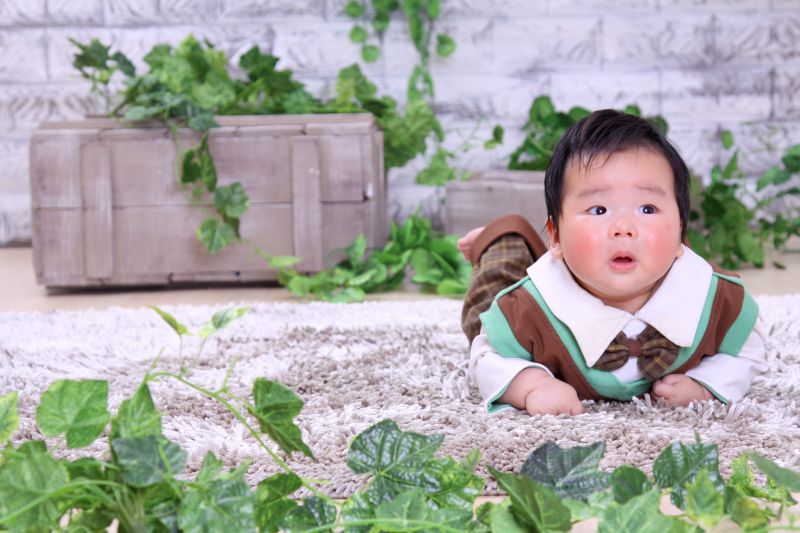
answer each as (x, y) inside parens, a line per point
(493, 193)
(107, 207)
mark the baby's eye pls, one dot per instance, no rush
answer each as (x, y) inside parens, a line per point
(648, 209)
(597, 210)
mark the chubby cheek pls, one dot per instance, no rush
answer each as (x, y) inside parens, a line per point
(662, 242)
(583, 247)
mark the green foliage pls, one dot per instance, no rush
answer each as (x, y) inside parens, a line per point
(188, 85)
(545, 126)
(143, 486)
(275, 407)
(571, 473)
(9, 417)
(735, 225)
(534, 506)
(681, 463)
(437, 264)
(421, 16)
(78, 409)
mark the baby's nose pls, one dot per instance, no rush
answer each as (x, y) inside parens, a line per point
(622, 227)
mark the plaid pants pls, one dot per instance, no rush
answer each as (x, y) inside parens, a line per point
(500, 257)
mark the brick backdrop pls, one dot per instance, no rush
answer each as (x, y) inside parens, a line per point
(703, 64)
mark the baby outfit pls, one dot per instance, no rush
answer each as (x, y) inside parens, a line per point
(700, 322)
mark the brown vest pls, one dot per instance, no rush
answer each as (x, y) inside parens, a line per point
(536, 334)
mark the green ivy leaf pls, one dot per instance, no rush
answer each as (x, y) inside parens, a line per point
(570, 472)
(148, 460)
(633, 109)
(640, 515)
(275, 407)
(356, 251)
(502, 519)
(680, 463)
(744, 481)
(438, 172)
(411, 511)
(215, 235)
(222, 505)
(77, 408)
(231, 201)
(533, 505)
(792, 159)
(137, 416)
(732, 166)
(593, 507)
(176, 326)
(354, 9)
(704, 502)
(451, 287)
(221, 320)
(727, 139)
(395, 458)
(744, 511)
(782, 476)
(628, 482)
(314, 513)
(273, 502)
(9, 417)
(27, 474)
(770, 177)
(358, 34)
(370, 53)
(497, 138)
(445, 45)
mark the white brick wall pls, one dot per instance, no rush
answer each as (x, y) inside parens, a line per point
(703, 64)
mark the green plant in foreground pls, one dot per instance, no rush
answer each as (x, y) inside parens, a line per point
(435, 259)
(140, 483)
(726, 229)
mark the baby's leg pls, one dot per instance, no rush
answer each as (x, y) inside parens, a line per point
(501, 254)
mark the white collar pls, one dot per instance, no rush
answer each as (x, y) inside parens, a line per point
(674, 309)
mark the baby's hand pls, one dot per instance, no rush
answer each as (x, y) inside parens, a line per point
(553, 397)
(465, 242)
(679, 389)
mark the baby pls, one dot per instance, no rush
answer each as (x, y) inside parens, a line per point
(618, 305)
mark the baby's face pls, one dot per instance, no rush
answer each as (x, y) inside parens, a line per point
(619, 229)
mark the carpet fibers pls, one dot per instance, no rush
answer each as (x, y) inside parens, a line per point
(354, 365)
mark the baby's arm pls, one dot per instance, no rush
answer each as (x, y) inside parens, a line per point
(518, 382)
(537, 392)
(726, 377)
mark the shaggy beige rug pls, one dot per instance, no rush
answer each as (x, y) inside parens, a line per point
(356, 364)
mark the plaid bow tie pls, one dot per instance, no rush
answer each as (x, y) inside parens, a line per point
(654, 353)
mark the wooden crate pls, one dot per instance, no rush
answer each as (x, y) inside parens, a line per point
(493, 193)
(107, 208)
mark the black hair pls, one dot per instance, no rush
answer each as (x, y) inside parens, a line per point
(604, 133)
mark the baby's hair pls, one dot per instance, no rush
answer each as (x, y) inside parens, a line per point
(603, 134)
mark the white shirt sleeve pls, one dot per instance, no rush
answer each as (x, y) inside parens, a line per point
(492, 373)
(729, 376)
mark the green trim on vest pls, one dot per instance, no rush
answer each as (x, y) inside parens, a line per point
(604, 383)
(686, 353)
(499, 332)
(740, 330)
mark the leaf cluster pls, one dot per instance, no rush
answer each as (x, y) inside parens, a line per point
(435, 260)
(545, 126)
(734, 224)
(142, 484)
(421, 16)
(558, 486)
(188, 85)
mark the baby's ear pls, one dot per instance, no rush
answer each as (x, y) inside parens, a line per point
(552, 233)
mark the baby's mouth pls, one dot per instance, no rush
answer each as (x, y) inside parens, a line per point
(623, 259)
